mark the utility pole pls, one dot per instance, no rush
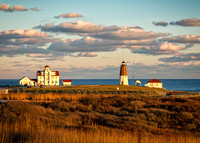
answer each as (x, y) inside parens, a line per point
(132, 78)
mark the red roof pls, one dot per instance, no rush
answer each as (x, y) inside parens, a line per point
(67, 80)
(34, 80)
(154, 81)
(46, 66)
(57, 73)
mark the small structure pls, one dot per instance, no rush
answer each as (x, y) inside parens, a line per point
(155, 83)
(67, 82)
(25, 81)
(138, 83)
(123, 74)
(3, 91)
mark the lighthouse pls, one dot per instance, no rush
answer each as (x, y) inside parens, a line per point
(123, 74)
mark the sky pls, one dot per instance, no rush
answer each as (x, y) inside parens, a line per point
(89, 39)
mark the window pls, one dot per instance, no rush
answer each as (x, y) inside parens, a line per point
(55, 81)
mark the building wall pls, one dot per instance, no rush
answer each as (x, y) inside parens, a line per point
(25, 81)
(47, 77)
(48, 80)
(123, 80)
(3, 91)
(155, 85)
(67, 83)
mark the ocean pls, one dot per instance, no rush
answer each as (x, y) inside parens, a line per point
(169, 84)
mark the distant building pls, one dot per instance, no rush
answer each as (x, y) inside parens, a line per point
(155, 83)
(47, 77)
(25, 81)
(67, 82)
(123, 74)
(3, 91)
(138, 83)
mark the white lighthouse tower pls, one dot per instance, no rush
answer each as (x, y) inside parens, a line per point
(123, 74)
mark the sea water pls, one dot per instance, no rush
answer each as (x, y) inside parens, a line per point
(169, 84)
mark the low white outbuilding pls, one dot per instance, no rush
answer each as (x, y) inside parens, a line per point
(138, 83)
(25, 81)
(3, 91)
(155, 83)
(67, 82)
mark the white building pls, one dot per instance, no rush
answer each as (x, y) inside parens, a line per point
(123, 74)
(155, 83)
(25, 81)
(48, 77)
(45, 77)
(138, 83)
(67, 82)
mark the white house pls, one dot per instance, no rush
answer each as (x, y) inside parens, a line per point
(47, 77)
(67, 82)
(155, 83)
(138, 83)
(123, 74)
(25, 81)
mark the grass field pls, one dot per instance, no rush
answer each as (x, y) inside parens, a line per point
(100, 118)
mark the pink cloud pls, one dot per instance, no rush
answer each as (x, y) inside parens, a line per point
(19, 8)
(5, 7)
(69, 15)
(22, 33)
(87, 54)
(170, 47)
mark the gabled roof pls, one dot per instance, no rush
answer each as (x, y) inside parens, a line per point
(34, 80)
(23, 78)
(46, 66)
(154, 81)
(67, 80)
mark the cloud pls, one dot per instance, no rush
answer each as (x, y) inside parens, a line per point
(182, 58)
(187, 22)
(76, 27)
(128, 33)
(183, 39)
(87, 44)
(163, 48)
(20, 42)
(7, 8)
(86, 54)
(69, 15)
(20, 33)
(38, 55)
(19, 8)
(161, 23)
(35, 9)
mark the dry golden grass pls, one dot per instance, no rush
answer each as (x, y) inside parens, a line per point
(99, 118)
(35, 132)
